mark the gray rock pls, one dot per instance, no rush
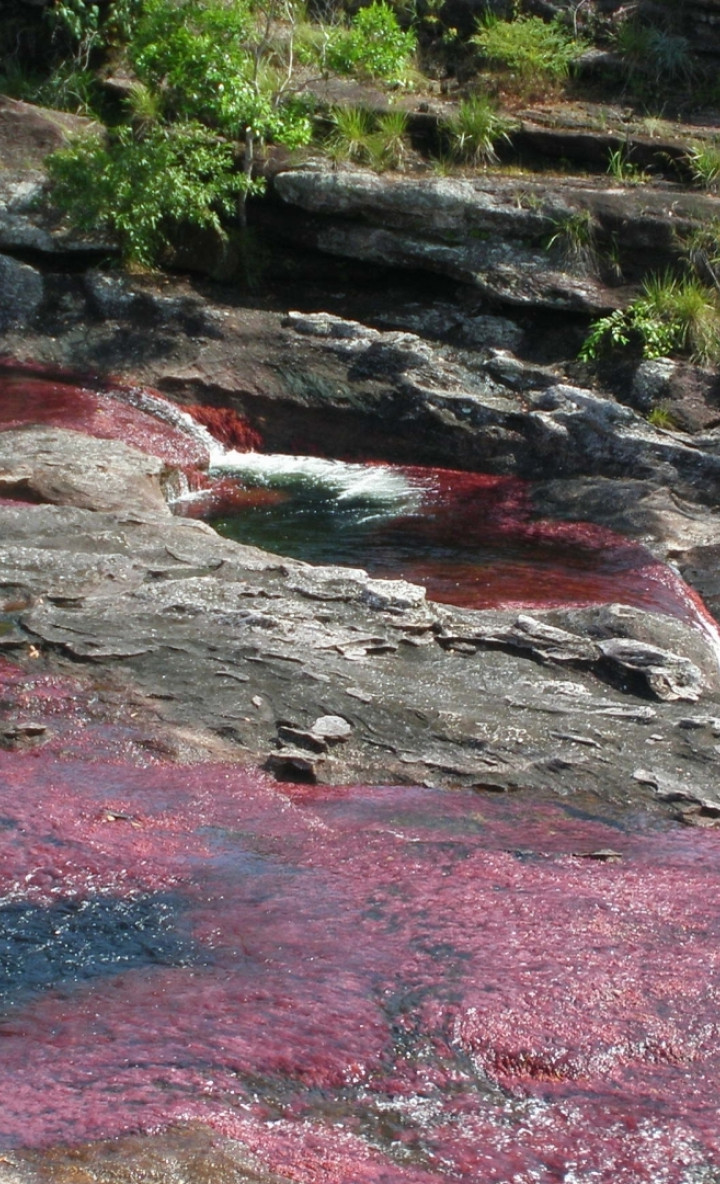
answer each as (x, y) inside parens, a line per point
(69, 468)
(21, 292)
(651, 382)
(670, 676)
(230, 641)
(110, 296)
(489, 231)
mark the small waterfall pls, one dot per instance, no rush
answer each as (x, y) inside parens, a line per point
(158, 407)
(372, 490)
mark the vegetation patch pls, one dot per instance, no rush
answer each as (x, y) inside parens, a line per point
(534, 50)
(474, 130)
(145, 188)
(673, 315)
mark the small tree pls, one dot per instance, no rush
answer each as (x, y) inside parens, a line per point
(210, 74)
(142, 188)
(209, 62)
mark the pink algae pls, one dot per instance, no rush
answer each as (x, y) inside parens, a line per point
(31, 394)
(226, 426)
(538, 562)
(396, 984)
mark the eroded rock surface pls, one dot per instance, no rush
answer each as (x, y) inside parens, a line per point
(492, 232)
(70, 468)
(261, 650)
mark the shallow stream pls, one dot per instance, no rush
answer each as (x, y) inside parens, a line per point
(376, 985)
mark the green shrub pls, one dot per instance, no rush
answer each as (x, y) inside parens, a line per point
(533, 49)
(673, 315)
(197, 54)
(374, 45)
(474, 130)
(144, 188)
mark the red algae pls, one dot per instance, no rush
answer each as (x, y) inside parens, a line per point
(550, 563)
(226, 426)
(395, 985)
(33, 395)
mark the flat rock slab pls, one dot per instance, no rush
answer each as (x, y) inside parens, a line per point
(324, 674)
(69, 468)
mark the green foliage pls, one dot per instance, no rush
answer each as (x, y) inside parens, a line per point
(80, 28)
(389, 144)
(207, 59)
(701, 248)
(193, 52)
(533, 49)
(673, 315)
(351, 133)
(373, 45)
(474, 130)
(654, 55)
(67, 88)
(145, 106)
(144, 188)
(575, 235)
(78, 23)
(662, 417)
(361, 136)
(623, 169)
(704, 163)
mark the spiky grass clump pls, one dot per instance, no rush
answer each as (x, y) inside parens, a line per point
(363, 137)
(575, 236)
(704, 163)
(474, 130)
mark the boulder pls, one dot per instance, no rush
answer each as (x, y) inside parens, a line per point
(21, 292)
(68, 468)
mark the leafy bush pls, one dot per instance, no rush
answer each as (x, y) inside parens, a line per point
(198, 54)
(530, 47)
(674, 314)
(144, 188)
(474, 130)
(195, 53)
(374, 45)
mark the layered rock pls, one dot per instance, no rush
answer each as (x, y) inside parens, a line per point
(489, 231)
(327, 674)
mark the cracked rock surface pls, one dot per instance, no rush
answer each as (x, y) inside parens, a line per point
(325, 674)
